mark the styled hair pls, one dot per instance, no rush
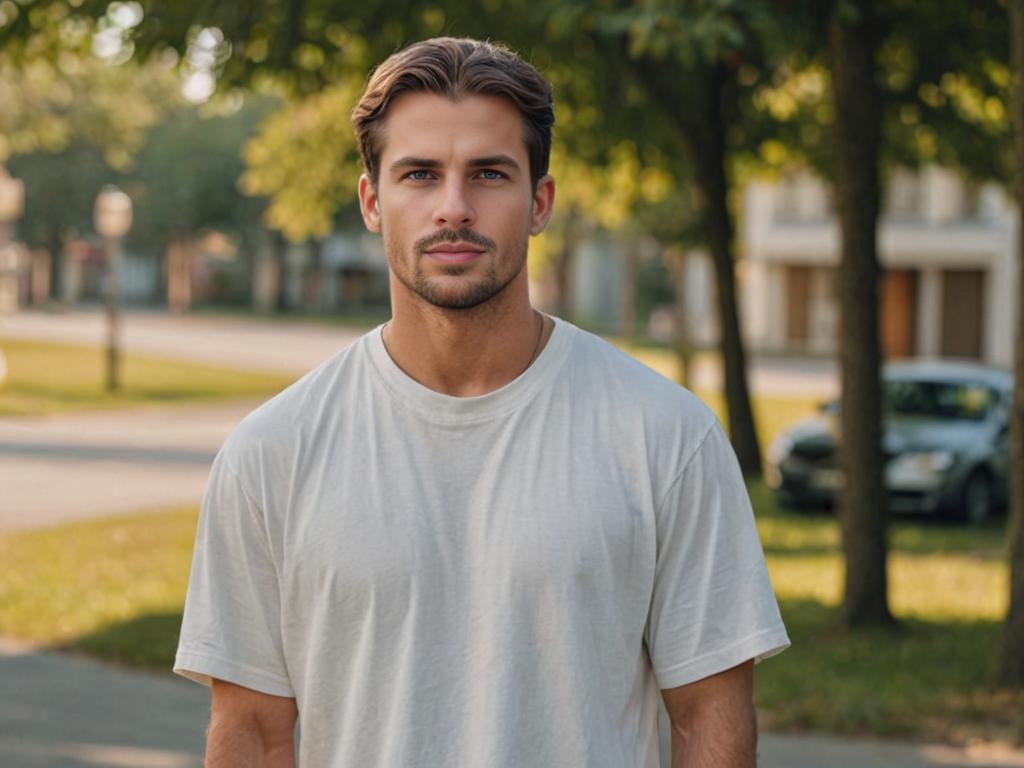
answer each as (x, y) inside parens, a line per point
(455, 68)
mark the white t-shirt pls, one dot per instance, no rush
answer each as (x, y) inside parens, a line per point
(498, 581)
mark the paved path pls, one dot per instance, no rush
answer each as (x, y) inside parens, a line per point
(108, 463)
(64, 712)
(59, 711)
(296, 347)
(282, 346)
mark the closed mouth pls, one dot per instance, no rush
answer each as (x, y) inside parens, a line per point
(454, 252)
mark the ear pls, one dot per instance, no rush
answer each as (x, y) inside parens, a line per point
(543, 204)
(369, 203)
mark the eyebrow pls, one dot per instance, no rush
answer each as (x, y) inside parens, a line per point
(479, 162)
(414, 162)
(504, 160)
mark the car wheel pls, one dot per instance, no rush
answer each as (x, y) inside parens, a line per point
(976, 498)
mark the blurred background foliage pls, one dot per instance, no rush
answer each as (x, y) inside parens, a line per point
(135, 92)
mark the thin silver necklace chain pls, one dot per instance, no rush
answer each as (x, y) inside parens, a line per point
(536, 347)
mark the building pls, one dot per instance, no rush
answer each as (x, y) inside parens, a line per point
(946, 247)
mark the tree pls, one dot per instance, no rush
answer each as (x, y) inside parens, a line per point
(186, 181)
(304, 164)
(68, 114)
(691, 64)
(854, 43)
(1011, 663)
(906, 86)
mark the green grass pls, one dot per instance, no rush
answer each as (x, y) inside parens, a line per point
(50, 378)
(114, 589)
(930, 676)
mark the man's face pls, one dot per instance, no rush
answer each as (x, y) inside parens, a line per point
(454, 201)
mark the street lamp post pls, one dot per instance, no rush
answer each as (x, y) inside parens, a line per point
(12, 203)
(112, 217)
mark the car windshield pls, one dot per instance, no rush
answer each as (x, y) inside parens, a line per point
(938, 399)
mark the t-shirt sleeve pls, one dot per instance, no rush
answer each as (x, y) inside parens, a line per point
(231, 629)
(712, 605)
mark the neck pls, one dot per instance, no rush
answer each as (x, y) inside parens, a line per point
(465, 353)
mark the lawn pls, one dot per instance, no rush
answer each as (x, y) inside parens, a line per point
(49, 378)
(927, 678)
(114, 589)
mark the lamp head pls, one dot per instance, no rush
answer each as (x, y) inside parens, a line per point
(112, 215)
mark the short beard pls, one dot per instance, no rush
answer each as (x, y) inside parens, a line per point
(474, 294)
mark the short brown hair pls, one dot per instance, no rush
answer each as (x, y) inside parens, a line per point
(457, 67)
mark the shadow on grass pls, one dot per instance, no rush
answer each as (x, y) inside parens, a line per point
(927, 680)
(918, 679)
(147, 641)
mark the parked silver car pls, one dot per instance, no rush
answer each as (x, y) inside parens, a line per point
(945, 443)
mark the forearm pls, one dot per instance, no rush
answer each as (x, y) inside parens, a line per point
(709, 740)
(714, 724)
(240, 744)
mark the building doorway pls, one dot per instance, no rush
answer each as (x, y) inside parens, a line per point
(899, 313)
(962, 302)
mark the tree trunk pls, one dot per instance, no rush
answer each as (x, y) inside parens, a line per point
(179, 275)
(863, 505)
(695, 101)
(708, 152)
(1011, 662)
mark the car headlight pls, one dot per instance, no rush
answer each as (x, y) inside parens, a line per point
(934, 462)
(921, 467)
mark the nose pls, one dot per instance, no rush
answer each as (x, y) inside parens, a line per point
(454, 208)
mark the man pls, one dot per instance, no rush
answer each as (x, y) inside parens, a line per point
(478, 536)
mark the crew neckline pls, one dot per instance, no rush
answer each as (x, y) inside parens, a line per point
(448, 409)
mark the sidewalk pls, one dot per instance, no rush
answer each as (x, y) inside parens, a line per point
(109, 463)
(63, 712)
(70, 712)
(282, 346)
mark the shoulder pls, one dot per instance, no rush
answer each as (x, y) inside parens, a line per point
(637, 410)
(282, 424)
(616, 381)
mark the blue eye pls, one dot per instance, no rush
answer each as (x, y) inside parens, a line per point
(490, 175)
(418, 175)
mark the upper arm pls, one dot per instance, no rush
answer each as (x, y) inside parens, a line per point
(243, 719)
(712, 605)
(232, 623)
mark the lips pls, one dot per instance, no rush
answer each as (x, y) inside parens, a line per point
(454, 253)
